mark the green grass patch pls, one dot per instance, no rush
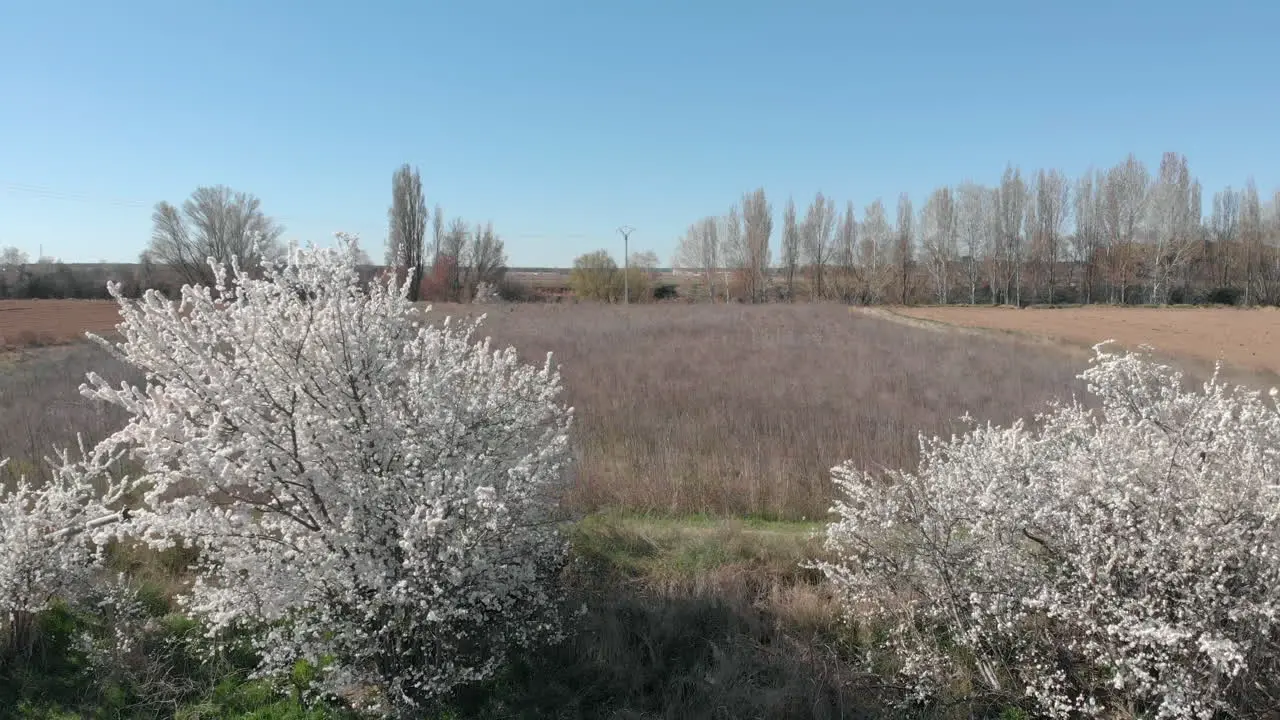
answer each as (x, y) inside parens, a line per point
(673, 548)
(680, 616)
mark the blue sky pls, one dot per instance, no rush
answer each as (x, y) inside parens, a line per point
(560, 121)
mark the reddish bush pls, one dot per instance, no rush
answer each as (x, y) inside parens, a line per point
(441, 281)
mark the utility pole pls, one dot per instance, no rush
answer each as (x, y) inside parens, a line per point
(626, 231)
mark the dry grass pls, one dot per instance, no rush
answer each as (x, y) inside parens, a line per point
(41, 408)
(743, 410)
(723, 409)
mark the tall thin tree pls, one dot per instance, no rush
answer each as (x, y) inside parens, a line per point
(876, 235)
(1251, 238)
(971, 226)
(407, 217)
(1013, 200)
(818, 237)
(1052, 198)
(757, 216)
(790, 247)
(903, 247)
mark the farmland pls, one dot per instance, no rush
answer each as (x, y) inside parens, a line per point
(703, 440)
(725, 409)
(26, 323)
(1246, 339)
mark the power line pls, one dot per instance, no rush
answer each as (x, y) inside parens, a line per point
(49, 193)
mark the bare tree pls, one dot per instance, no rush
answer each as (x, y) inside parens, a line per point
(1251, 238)
(1052, 205)
(712, 253)
(938, 233)
(790, 247)
(757, 215)
(1087, 239)
(437, 233)
(995, 257)
(1198, 234)
(902, 251)
(1102, 241)
(876, 235)
(215, 222)
(688, 252)
(11, 256)
(818, 234)
(487, 258)
(699, 249)
(1032, 247)
(1224, 227)
(644, 260)
(1013, 201)
(408, 227)
(971, 225)
(734, 243)
(453, 250)
(1126, 201)
(846, 255)
(1271, 242)
(1173, 221)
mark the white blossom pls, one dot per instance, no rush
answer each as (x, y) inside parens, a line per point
(44, 556)
(368, 492)
(1111, 560)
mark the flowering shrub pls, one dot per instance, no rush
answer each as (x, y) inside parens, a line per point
(442, 282)
(43, 555)
(1118, 560)
(373, 495)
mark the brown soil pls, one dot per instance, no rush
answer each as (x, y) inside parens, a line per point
(1245, 339)
(27, 323)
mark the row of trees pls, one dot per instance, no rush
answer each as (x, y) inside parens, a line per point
(1118, 235)
(460, 256)
(230, 225)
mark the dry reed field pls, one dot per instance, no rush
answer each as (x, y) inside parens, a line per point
(743, 410)
(41, 408)
(722, 409)
(1248, 339)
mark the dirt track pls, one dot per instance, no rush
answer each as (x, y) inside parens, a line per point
(24, 323)
(1246, 339)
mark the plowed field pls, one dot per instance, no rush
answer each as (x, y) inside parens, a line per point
(1246, 339)
(25, 323)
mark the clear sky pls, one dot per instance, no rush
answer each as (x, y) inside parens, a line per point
(560, 121)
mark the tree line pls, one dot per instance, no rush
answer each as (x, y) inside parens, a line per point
(1117, 235)
(232, 227)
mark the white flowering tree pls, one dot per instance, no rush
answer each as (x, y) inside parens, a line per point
(369, 493)
(1119, 561)
(44, 554)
